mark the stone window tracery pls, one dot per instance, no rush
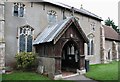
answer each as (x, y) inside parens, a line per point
(25, 39)
(19, 9)
(52, 16)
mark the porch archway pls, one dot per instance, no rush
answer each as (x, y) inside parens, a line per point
(70, 57)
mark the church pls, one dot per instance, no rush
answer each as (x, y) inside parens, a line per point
(63, 36)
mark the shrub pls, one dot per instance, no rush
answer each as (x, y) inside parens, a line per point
(25, 60)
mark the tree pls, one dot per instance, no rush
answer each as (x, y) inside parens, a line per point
(110, 22)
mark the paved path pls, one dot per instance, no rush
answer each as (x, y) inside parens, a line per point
(80, 78)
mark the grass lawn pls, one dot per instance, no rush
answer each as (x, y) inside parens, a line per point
(103, 71)
(19, 75)
(27, 77)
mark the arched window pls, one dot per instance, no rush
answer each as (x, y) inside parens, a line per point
(25, 38)
(71, 49)
(52, 16)
(90, 47)
(16, 5)
(22, 10)
(91, 44)
(68, 50)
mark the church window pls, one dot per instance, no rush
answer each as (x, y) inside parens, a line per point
(91, 44)
(25, 39)
(71, 49)
(52, 16)
(16, 9)
(90, 47)
(19, 9)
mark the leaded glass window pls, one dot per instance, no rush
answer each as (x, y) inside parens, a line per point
(16, 9)
(90, 47)
(29, 43)
(22, 43)
(19, 9)
(52, 16)
(25, 39)
(91, 44)
(71, 49)
(22, 10)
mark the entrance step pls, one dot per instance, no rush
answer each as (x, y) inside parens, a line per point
(66, 74)
(70, 75)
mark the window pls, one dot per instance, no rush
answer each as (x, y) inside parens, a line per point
(19, 9)
(91, 44)
(90, 47)
(25, 39)
(52, 16)
(16, 9)
(71, 49)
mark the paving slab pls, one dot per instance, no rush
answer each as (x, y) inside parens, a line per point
(79, 78)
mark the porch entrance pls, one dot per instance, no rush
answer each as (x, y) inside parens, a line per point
(70, 57)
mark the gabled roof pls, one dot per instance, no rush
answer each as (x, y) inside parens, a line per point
(81, 10)
(110, 33)
(51, 32)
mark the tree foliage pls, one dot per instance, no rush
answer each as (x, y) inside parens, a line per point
(110, 22)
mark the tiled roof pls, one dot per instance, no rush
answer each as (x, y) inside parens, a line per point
(52, 31)
(110, 33)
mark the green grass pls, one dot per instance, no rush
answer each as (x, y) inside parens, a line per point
(0, 77)
(103, 71)
(19, 75)
(27, 76)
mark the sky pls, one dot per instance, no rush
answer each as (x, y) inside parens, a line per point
(102, 8)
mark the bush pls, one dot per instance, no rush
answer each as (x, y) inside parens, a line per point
(25, 60)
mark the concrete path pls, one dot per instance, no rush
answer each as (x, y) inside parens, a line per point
(79, 78)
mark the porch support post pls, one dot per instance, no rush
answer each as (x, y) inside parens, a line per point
(82, 65)
(57, 66)
(58, 73)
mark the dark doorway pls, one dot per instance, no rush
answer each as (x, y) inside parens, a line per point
(70, 57)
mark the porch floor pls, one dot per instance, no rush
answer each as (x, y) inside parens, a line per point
(67, 73)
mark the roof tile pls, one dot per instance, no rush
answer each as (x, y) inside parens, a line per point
(110, 33)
